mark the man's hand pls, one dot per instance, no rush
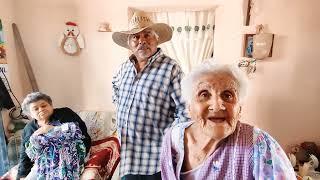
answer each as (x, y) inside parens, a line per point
(43, 129)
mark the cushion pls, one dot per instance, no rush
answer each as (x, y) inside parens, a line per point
(90, 174)
(104, 158)
(11, 174)
(100, 124)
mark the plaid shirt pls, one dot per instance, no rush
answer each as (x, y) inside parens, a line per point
(148, 103)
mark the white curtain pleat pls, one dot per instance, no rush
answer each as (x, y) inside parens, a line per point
(193, 36)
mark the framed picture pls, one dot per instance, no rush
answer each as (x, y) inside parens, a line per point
(2, 47)
(249, 46)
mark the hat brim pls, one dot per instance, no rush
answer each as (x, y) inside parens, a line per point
(163, 31)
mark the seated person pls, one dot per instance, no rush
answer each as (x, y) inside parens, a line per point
(58, 154)
(215, 144)
(44, 117)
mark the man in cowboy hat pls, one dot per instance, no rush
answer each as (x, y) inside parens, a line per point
(147, 94)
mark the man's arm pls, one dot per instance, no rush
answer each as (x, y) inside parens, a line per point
(180, 111)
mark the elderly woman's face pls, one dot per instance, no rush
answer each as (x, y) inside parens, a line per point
(40, 110)
(215, 104)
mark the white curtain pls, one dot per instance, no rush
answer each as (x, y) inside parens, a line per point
(193, 33)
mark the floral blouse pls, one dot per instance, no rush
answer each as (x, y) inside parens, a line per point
(58, 154)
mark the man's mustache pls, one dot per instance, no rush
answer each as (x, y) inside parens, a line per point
(142, 46)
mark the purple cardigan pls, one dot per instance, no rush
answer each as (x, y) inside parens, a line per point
(248, 153)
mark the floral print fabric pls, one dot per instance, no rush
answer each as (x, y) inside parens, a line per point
(58, 154)
(269, 159)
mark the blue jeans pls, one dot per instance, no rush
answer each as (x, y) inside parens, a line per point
(156, 176)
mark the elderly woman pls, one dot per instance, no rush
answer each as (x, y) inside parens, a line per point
(215, 144)
(49, 126)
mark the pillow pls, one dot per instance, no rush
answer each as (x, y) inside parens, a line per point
(104, 157)
(90, 174)
(11, 174)
(100, 124)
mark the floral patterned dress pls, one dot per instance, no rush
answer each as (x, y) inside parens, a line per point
(58, 154)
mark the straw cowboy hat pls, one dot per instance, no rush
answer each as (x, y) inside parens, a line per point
(139, 22)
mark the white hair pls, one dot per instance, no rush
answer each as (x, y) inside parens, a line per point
(210, 67)
(34, 97)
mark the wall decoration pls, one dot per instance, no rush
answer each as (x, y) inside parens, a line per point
(249, 65)
(258, 45)
(262, 44)
(248, 45)
(71, 41)
(3, 60)
(2, 47)
(104, 27)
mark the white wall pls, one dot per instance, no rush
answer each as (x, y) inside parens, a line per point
(284, 92)
(41, 24)
(103, 56)
(284, 96)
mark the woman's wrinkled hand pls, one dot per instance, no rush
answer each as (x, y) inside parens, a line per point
(43, 129)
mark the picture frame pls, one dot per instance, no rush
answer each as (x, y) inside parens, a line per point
(248, 46)
(3, 53)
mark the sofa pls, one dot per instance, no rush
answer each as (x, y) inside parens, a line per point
(104, 156)
(105, 148)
